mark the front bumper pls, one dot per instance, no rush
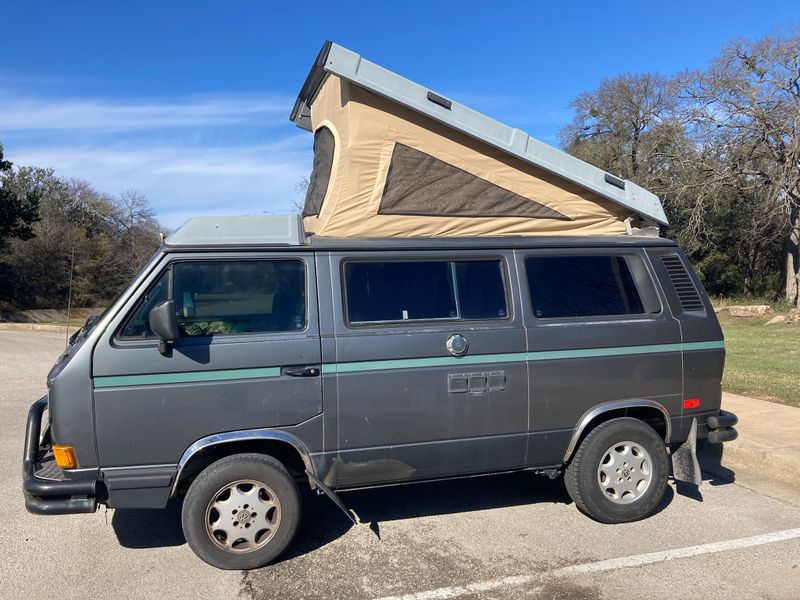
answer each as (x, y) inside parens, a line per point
(47, 495)
(721, 427)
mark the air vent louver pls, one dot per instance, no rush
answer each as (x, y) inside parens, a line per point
(684, 287)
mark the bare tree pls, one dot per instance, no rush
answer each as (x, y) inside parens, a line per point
(111, 238)
(748, 105)
(138, 230)
(632, 126)
(300, 188)
(625, 125)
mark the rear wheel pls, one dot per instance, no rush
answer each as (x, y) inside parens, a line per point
(241, 512)
(619, 472)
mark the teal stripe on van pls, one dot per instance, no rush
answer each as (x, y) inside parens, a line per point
(402, 363)
(415, 363)
(440, 361)
(187, 377)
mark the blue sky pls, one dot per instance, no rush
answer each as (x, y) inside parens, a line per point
(189, 101)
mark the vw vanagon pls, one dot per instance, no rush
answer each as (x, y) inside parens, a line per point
(457, 299)
(242, 363)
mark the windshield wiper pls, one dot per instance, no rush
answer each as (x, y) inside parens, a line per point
(84, 331)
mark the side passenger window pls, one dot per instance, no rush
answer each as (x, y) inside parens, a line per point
(589, 286)
(395, 291)
(228, 297)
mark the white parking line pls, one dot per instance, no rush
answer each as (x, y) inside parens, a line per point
(460, 590)
(603, 565)
(654, 557)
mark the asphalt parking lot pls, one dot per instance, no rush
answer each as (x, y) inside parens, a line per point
(505, 536)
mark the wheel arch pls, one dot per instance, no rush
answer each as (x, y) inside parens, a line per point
(649, 411)
(281, 445)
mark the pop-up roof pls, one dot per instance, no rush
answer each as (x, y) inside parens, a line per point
(392, 158)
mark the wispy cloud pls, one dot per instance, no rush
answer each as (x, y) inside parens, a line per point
(94, 114)
(233, 154)
(182, 182)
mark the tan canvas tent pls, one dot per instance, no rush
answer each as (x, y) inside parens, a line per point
(392, 158)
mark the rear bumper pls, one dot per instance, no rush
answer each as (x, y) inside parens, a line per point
(721, 427)
(46, 496)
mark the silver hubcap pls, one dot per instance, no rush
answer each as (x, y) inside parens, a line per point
(625, 472)
(243, 516)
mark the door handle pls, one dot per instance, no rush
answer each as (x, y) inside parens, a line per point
(301, 371)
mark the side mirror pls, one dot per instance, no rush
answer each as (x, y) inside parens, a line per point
(164, 324)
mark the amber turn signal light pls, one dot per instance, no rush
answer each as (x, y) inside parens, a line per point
(65, 456)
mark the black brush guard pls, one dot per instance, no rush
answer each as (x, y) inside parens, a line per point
(50, 496)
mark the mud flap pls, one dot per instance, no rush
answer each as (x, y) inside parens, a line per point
(684, 460)
(321, 487)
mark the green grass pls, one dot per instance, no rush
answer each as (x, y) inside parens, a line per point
(762, 361)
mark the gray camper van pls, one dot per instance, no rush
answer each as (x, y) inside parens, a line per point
(239, 365)
(457, 299)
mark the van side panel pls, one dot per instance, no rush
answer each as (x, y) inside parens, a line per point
(703, 368)
(400, 416)
(153, 425)
(577, 363)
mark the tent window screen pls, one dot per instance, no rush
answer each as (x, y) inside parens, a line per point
(394, 291)
(324, 143)
(589, 286)
(420, 184)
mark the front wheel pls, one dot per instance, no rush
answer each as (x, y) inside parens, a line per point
(241, 512)
(619, 472)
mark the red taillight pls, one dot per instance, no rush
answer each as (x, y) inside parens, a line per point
(690, 403)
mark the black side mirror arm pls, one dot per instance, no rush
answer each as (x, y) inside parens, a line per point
(165, 347)
(164, 323)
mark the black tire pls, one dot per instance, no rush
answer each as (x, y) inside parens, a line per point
(206, 488)
(583, 480)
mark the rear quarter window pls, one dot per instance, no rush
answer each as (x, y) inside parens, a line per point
(590, 286)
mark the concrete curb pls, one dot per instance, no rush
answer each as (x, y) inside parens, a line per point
(779, 465)
(37, 327)
(768, 446)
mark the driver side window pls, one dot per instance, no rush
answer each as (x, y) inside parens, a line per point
(227, 297)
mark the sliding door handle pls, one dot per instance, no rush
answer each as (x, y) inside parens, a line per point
(301, 371)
